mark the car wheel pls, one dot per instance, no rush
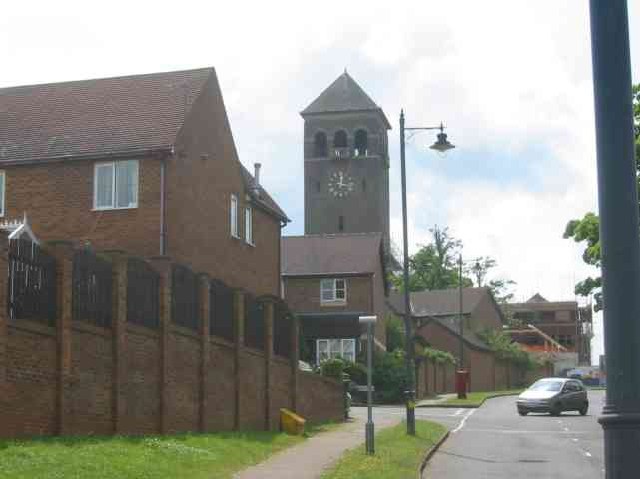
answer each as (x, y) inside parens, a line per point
(522, 412)
(555, 410)
(583, 410)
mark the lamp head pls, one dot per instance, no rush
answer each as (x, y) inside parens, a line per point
(442, 144)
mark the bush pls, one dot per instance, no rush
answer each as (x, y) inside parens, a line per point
(438, 356)
(357, 372)
(332, 368)
(395, 333)
(390, 376)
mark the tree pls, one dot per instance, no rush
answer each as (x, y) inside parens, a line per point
(587, 229)
(501, 288)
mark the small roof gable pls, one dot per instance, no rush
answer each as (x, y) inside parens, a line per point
(358, 253)
(94, 117)
(537, 298)
(343, 95)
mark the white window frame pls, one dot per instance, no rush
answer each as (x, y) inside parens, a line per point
(334, 289)
(3, 194)
(114, 183)
(248, 225)
(346, 345)
(233, 216)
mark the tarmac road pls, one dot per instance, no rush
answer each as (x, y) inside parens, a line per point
(495, 442)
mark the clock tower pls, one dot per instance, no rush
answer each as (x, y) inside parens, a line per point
(346, 162)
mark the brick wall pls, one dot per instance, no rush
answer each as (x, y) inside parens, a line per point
(78, 378)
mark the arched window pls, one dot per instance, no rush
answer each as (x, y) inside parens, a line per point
(361, 144)
(340, 139)
(320, 145)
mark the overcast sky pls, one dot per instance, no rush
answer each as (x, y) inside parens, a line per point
(511, 80)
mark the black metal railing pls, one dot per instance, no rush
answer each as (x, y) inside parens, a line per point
(31, 292)
(254, 322)
(185, 297)
(92, 289)
(221, 312)
(282, 324)
(143, 294)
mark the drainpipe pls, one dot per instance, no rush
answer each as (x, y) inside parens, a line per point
(163, 204)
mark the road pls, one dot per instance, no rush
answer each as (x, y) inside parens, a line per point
(495, 442)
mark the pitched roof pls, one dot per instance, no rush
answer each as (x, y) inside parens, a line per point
(343, 95)
(92, 117)
(331, 254)
(537, 298)
(442, 302)
(262, 197)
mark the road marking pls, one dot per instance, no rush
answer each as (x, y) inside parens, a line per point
(524, 431)
(587, 453)
(464, 419)
(574, 439)
(458, 412)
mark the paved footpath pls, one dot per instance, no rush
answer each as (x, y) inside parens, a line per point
(310, 458)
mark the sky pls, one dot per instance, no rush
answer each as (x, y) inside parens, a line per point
(511, 80)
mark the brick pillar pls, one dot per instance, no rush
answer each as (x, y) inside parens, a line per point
(295, 353)
(119, 338)
(205, 298)
(62, 251)
(4, 251)
(238, 320)
(162, 264)
(268, 316)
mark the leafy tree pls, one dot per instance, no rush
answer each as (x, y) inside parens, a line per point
(587, 229)
(501, 288)
(395, 333)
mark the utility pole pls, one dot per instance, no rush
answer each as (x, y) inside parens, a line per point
(619, 226)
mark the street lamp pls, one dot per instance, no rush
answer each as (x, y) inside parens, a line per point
(441, 145)
(370, 321)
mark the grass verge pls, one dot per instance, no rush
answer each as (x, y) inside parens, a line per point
(397, 455)
(476, 399)
(217, 455)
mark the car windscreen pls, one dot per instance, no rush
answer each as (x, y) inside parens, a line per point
(546, 386)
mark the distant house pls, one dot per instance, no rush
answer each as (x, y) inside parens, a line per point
(143, 163)
(329, 281)
(564, 321)
(436, 318)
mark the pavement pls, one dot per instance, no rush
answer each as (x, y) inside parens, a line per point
(495, 442)
(309, 459)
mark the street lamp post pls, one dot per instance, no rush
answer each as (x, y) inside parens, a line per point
(619, 223)
(370, 321)
(440, 145)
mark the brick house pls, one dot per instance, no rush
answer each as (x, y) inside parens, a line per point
(329, 281)
(145, 164)
(436, 316)
(564, 321)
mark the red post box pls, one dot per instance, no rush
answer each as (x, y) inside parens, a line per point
(462, 382)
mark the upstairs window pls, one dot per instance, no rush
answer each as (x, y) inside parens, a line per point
(333, 291)
(361, 143)
(319, 145)
(248, 225)
(233, 216)
(340, 139)
(115, 185)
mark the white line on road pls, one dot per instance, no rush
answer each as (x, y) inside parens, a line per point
(458, 412)
(587, 453)
(464, 419)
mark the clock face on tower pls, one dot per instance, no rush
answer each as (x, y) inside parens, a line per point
(340, 184)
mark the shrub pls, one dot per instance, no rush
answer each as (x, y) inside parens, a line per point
(390, 376)
(357, 372)
(332, 368)
(395, 333)
(438, 356)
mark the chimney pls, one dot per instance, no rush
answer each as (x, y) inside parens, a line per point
(256, 177)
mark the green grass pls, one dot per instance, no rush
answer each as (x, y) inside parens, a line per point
(216, 455)
(397, 455)
(476, 399)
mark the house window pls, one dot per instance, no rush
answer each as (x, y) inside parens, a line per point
(335, 348)
(233, 211)
(115, 185)
(248, 225)
(2, 189)
(333, 291)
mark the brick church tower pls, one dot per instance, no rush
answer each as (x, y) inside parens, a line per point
(346, 162)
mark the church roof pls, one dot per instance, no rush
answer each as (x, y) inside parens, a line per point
(343, 95)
